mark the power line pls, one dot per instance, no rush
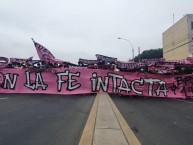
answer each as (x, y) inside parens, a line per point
(177, 47)
(179, 40)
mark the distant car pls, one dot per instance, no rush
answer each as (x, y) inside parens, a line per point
(131, 66)
(87, 63)
(171, 67)
(184, 68)
(96, 64)
(162, 67)
(106, 59)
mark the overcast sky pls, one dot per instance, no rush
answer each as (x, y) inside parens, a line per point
(73, 29)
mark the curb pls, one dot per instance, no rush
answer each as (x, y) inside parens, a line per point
(88, 132)
(130, 136)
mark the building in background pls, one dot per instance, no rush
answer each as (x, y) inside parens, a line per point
(178, 39)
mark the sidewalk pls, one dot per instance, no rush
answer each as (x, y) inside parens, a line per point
(106, 126)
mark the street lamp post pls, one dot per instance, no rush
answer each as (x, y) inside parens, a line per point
(130, 44)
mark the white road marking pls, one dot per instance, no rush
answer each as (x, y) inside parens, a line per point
(3, 98)
(184, 101)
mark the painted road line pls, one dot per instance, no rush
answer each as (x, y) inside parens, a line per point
(184, 101)
(130, 136)
(3, 98)
(87, 135)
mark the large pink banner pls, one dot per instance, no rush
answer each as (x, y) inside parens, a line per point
(83, 81)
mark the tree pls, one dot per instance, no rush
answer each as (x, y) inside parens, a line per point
(149, 54)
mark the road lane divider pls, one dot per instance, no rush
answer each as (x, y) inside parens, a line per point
(106, 125)
(130, 136)
(88, 132)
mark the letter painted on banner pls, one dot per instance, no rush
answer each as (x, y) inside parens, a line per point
(83, 81)
(71, 82)
(38, 81)
(10, 81)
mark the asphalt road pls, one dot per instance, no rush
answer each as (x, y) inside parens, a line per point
(158, 121)
(43, 119)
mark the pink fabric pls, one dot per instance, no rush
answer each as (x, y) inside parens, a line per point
(83, 81)
(18, 60)
(43, 52)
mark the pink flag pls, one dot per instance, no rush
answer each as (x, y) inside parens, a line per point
(43, 52)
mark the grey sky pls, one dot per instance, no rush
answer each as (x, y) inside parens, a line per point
(73, 29)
